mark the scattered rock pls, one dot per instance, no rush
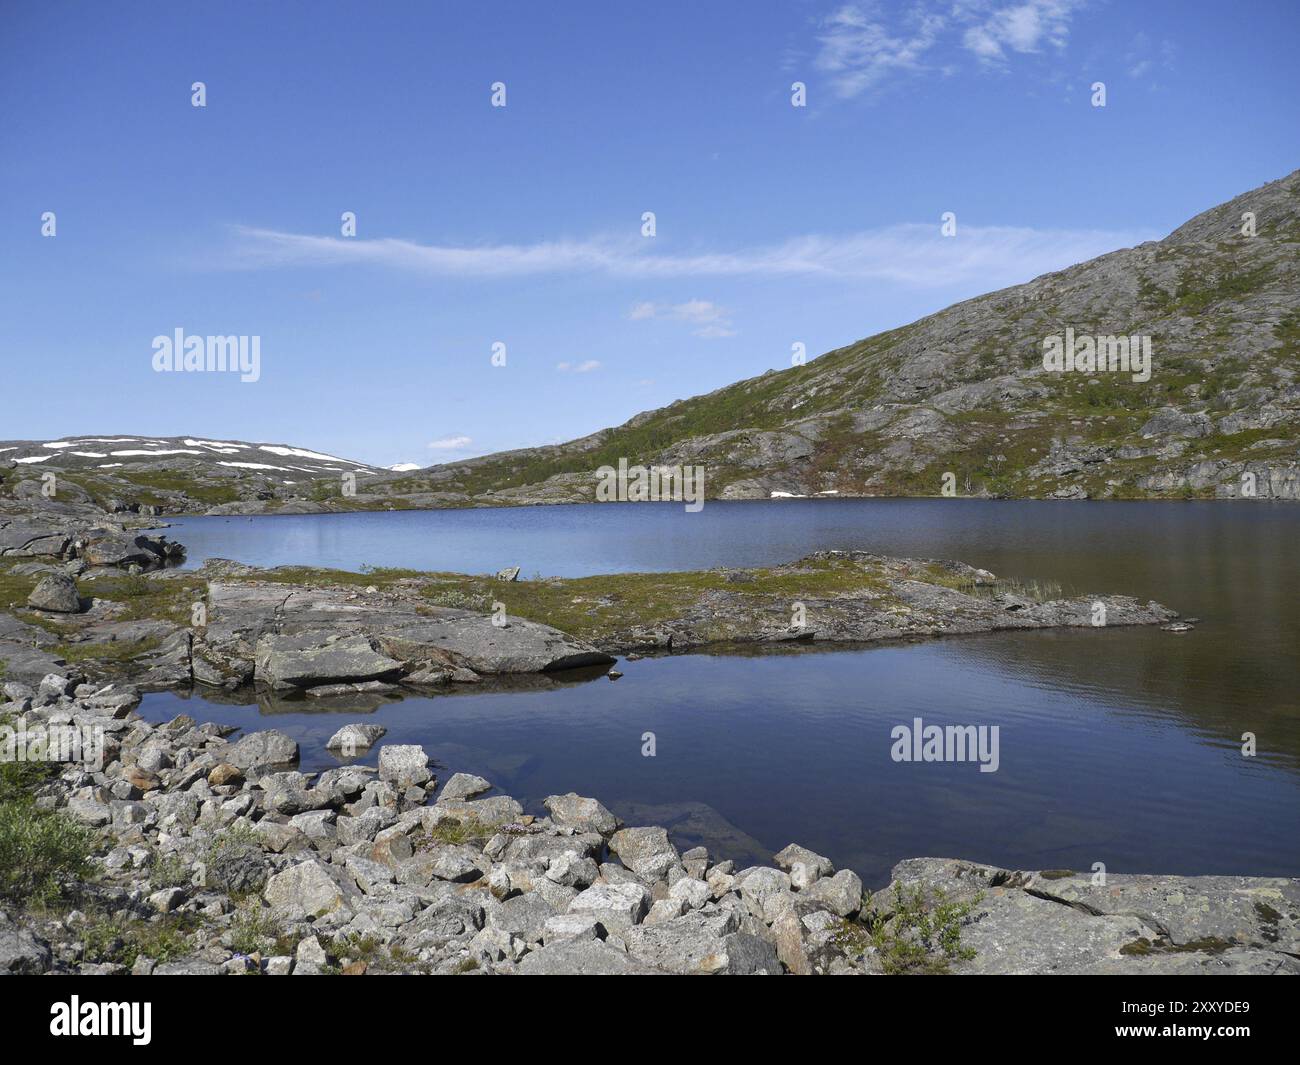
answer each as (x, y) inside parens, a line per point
(404, 764)
(350, 740)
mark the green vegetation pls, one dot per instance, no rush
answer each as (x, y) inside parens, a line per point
(169, 870)
(455, 831)
(121, 940)
(42, 852)
(592, 607)
(922, 935)
(117, 651)
(253, 930)
(14, 587)
(1142, 946)
(1038, 591)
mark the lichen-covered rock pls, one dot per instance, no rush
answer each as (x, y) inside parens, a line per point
(404, 764)
(353, 739)
(309, 659)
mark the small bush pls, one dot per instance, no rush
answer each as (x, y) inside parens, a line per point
(41, 852)
(170, 870)
(254, 931)
(19, 780)
(922, 935)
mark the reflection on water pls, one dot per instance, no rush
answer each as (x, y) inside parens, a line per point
(1120, 746)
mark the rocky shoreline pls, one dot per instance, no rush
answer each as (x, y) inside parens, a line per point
(215, 855)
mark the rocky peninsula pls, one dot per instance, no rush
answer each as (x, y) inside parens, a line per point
(101, 596)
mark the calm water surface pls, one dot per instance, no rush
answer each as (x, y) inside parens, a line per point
(1120, 746)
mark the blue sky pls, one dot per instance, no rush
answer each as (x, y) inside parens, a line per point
(522, 224)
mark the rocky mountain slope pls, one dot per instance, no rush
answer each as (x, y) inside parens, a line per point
(965, 391)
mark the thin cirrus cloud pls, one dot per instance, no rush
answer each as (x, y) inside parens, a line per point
(859, 47)
(578, 367)
(909, 254)
(707, 319)
(450, 443)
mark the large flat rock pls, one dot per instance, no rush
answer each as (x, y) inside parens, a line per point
(312, 658)
(518, 647)
(1058, 922)
(1238, 910)
(297, 636)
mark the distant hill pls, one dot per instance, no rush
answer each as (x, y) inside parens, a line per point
(172, 474)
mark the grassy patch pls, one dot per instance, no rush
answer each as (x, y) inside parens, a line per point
(116, 651)
(15, 587)
(169, 870)
(1038, 591)
(591, 607)
(121, 940)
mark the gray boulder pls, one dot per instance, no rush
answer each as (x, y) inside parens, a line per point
(583, 814)
(646, 851)
(464, 786)
(404, 764)
(309, 889)
(56, 593)
(841, 893)
(615, 906)
(21, 952)
(804, 866)
(702, 943)
(268, 748)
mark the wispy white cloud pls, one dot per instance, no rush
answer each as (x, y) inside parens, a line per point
(861, 45)
(710, 320)
(1144, 58)
(859, 51)
(911, 254)
(1021, 27)
(579, 367)
(450, 443)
